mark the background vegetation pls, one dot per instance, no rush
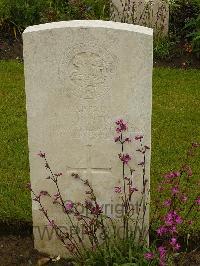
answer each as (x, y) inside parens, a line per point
(184, 23)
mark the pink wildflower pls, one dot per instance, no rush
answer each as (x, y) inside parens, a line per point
(133, 189)
(96, 210)
(167, 202)
(116, 139)
(125, 158)
(43, 193)
(121, 126)
(41, 154)
(184, 198)
(118, 189)
(173, 242)
(162, 251)
(51, 223)
(127, 140)
(172, 218)
(57, 175)
(161, 230)
(149, 256)
(198, 201)
(175, 190)
(172, 229)
(172, 174)
(178, 219)
(56, 197)
(88, 204)
(138, 137)
(177, 246)
(69, 205)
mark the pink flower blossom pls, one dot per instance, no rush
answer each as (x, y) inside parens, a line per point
(172, 229)
(57, 175)
(121, 126)
(138, 137)
(184, 198)
(173, 242)
(162, 230)
(116, 139)
(175, 190)
(172, 218)
(127, 140)
(43, 193)
(69, 205)
(149, 256)
(125, 158)
(177, 246)
(178, 219)
(133, 189)
(172, 174)
(162, 263)
(56, 197)
(51, 223)
(96, 210)
(118, 189)
(167, 202)
(198, 201)
(41, 154)
(162, 251)
(88, 204)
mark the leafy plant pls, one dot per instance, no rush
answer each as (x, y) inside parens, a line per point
(194, 35)
(181, 12)
(23, 13)
(163, 48)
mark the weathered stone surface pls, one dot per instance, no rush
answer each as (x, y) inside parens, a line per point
(80, 76)
(149, 13)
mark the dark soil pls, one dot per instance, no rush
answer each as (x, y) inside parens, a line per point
(17, 247)
(19, 251)
(12, 48)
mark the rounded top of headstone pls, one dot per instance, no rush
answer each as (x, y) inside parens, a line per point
(90, 24)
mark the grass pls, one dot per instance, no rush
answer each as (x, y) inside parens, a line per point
(175, 124)
(15, 201)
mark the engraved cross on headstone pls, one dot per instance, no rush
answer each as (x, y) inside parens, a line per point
(88, 170)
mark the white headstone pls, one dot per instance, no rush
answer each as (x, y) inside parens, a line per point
(80, 76)
(148, 13)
